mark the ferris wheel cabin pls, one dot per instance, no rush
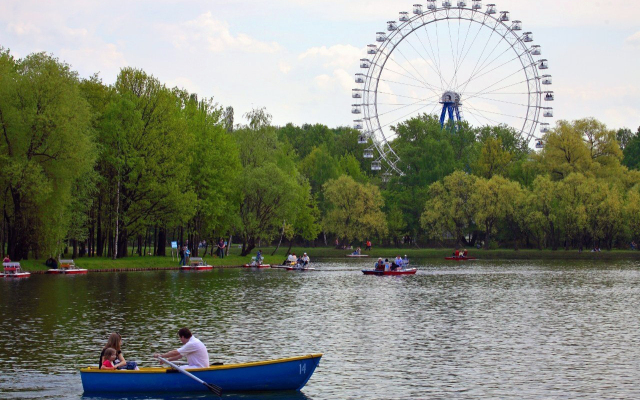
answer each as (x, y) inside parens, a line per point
(547, 112)
(516, 25)
(491, 9)
(404, 16)
(536, 50)
(477, 5)
(381, 37)
(356, 109)
(544, 127)
(376, 165)
(549, 96)
(368, 153)
(392, 26)
(462, 4)
(359, 78)
(417, 8)
(543, 64)
(504, 16)
(357, 124)
(546, 80)
(372, 49)
(446, 3)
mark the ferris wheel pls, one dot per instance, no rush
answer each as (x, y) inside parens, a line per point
(459, 60)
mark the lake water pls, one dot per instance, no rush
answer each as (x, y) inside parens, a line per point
(472, 330)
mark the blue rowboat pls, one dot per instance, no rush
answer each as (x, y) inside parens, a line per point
(273, 375)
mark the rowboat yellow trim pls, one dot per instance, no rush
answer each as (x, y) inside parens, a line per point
(156, 370)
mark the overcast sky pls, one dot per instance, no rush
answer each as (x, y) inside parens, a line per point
(298, 58)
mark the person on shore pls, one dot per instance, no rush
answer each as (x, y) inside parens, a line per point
(181, 254)
(221, 247)
(192, 348)
(113, 342)
(368, 244)
(109, 358)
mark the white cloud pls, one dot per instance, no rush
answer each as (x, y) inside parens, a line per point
(634, 40)
(22, 28)
(339, 55)
(215, 36)
(94, 56)
(284, 67)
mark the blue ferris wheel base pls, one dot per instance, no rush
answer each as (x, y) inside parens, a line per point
(453, 110)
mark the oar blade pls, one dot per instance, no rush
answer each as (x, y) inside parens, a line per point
(217, 390)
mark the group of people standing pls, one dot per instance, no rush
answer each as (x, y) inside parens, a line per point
(192, 348)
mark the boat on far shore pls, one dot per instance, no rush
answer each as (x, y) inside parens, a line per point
(460, 258)
(357, 255)
(196, 264)
(13, 270)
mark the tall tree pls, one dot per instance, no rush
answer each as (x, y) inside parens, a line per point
(355, 209)
(46, 145)
(271, 187)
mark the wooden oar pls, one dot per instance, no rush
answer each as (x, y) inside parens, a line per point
(217, 390)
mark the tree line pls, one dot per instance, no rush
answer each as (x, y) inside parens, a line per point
(100, 169)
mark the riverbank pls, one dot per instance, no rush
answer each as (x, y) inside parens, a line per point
(234, 260)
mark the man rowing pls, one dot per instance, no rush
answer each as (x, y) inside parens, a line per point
(192, 348)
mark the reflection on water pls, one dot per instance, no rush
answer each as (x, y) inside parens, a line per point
(455, 330)
(192, 396)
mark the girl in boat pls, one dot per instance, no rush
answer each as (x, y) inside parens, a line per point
(109, 358)
(115, 342)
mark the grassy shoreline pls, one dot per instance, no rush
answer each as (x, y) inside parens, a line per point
(235, 260)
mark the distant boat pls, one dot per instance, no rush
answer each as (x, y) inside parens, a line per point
(460, 258)
(196, 264)
(274, 375)
(257, 264)
(66, 267)
(357, 255)
(410, 271)
(13, 270)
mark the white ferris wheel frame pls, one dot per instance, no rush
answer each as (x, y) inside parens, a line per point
(373, 129)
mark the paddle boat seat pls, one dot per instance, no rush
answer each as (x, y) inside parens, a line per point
(67, 264)
(11, 267)
(196, 261)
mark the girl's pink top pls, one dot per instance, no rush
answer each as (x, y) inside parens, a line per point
(107, 363)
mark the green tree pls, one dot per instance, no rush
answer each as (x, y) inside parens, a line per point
(46, 146)
(271, 187)
(147, 145)
(565, 152)
(355, 209)
(449, 210)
